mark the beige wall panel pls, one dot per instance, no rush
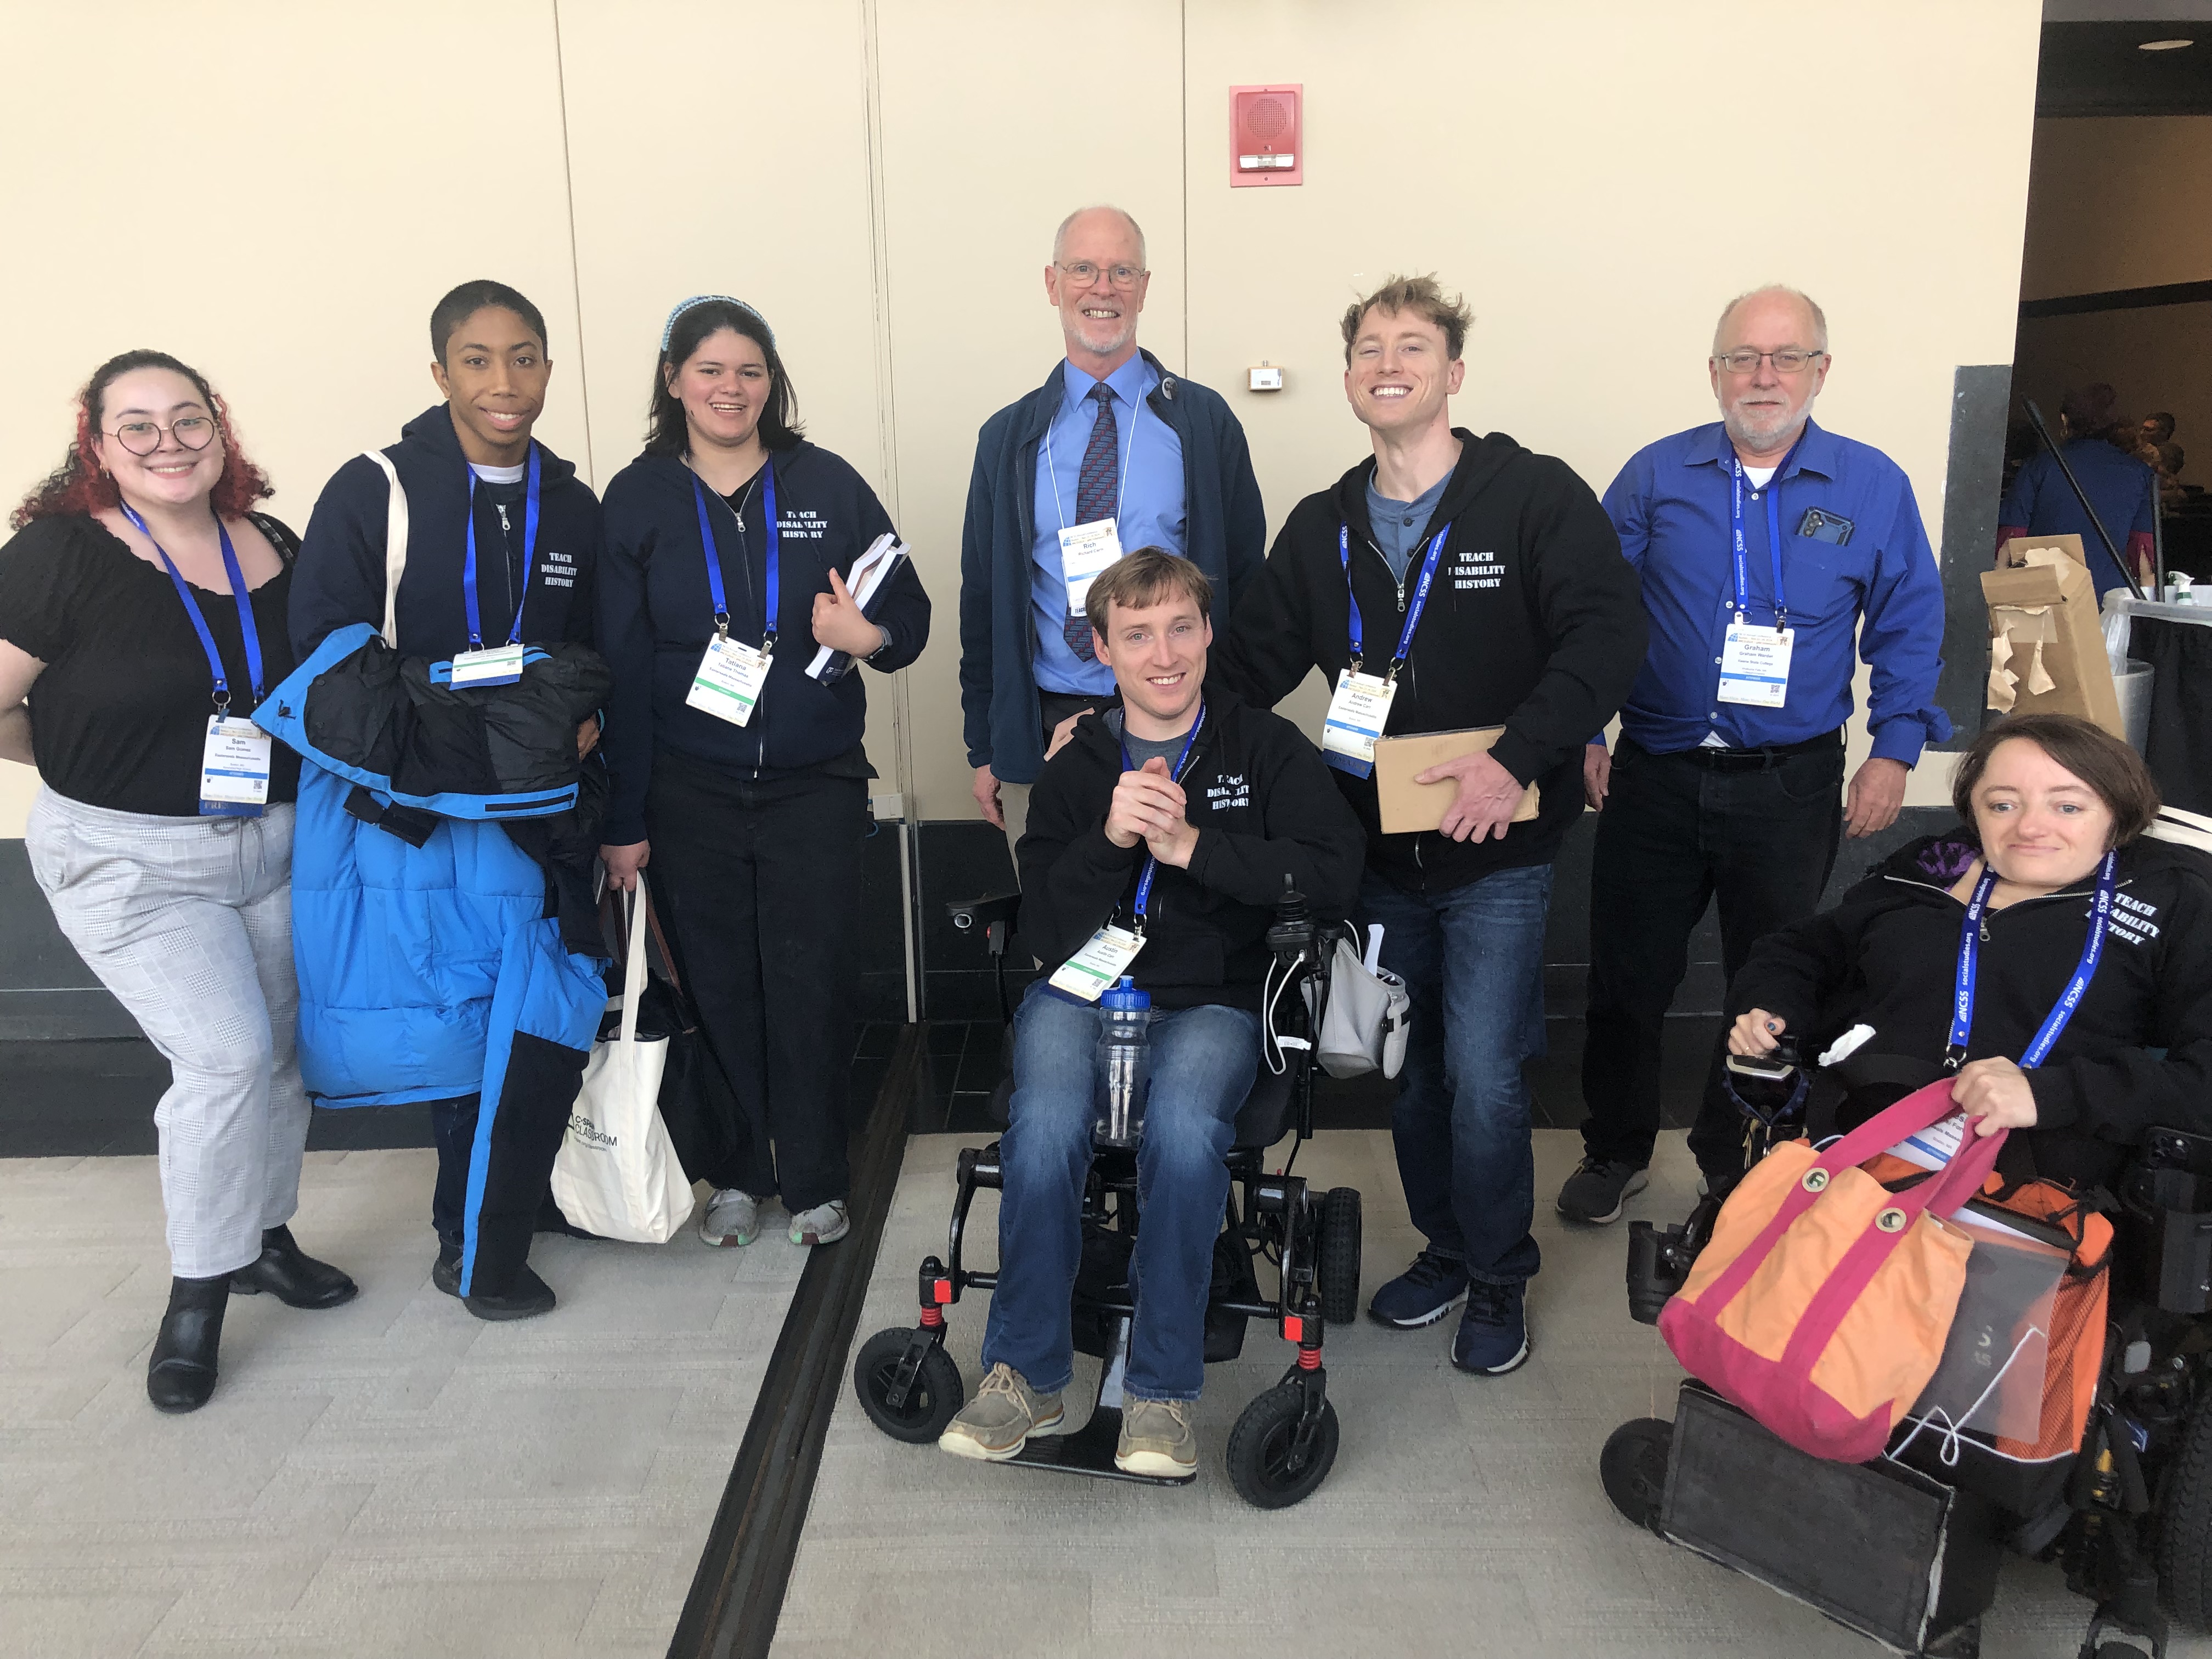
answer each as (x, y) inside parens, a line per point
(1584, 176)
(276, 194)
(998, 119)
(758, 187)
(2119, 201)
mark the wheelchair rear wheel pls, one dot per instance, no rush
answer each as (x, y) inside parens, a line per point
(2184, 1530)
(1633, 1468)
(930, 1400)
(1340, 1255)
(1262, 1448)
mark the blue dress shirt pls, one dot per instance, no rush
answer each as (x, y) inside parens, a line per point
(2042, 502)
(1671, 505)
(1151, 513)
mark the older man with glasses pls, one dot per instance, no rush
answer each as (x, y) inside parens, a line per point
(1768, 545)
(1111, 454)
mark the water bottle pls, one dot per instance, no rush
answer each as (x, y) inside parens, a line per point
(1125, 1016)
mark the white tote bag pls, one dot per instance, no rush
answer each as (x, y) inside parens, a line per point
(617, 1174)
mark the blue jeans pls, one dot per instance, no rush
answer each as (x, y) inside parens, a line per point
(1473, 962)
(1203, 1060)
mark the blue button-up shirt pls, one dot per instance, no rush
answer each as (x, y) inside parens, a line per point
(1151, 506)
(1671, 505)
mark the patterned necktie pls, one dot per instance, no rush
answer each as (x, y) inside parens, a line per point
(1096, 488)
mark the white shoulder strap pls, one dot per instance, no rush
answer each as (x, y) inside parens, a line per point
(395, 546)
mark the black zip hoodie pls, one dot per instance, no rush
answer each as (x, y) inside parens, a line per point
(1261, 796)
(339, 578)
(1888, 957)
(1534, 622)
(657, 613)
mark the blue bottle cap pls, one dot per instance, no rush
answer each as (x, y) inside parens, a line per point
(1126, 996)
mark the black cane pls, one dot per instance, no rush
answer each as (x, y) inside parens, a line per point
(2083, 496)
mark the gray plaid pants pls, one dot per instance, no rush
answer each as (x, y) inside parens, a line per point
(189, 922)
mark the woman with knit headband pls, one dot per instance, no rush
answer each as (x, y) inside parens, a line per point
(738, 773)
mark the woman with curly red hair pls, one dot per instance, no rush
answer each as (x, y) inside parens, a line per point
(142, 617)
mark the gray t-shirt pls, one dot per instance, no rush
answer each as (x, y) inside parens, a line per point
(1398, 524)
(1143, 748)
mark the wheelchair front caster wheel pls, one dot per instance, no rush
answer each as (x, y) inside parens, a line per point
(1633, 1468)
(1267, 1464)
(1340, 1255)
(932, 1397)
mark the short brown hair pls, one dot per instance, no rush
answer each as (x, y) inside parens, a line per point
(2114, 771)
(1425, 298)
(1146, 577)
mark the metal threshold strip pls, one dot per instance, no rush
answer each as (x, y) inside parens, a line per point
(737, 1592)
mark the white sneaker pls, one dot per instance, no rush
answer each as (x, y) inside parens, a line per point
(825, 1224)
(731, 1217)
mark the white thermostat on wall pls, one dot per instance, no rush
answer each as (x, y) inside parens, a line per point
(1267, 378)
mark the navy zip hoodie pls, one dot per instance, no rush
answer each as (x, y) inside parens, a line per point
(657, 613)
(1225, 536)
(339, 578)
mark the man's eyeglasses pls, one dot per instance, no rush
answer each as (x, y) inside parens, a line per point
(144, 437)
(1785, 362)
(1084, 274)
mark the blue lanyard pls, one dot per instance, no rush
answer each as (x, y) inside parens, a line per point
(246, 628)
(1413, 610)
(1773, 536)
(1151, 864)
(715, 559)
(1970, 941)
(529, 546)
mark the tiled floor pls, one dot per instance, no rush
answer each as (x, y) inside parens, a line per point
(1463, 1517)
(389, 1477)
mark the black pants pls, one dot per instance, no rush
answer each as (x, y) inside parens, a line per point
(1676, 832)
(761, 886)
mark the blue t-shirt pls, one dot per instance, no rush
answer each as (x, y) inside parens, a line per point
(2119, 486)
(1399, 526)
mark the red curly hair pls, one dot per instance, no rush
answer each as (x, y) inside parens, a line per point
(81, 485)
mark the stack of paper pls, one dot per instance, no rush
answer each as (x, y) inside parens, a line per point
(870, 572)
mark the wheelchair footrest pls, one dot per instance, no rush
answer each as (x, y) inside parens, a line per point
(1881, 1548)
(1089, 1450)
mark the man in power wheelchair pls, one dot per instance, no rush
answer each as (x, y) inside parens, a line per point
(2054, 967)
(1178, 851)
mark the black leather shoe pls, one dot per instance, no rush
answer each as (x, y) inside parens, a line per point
(292, 1276)
(180, 1374)
(447, 1274)
(528, 1296)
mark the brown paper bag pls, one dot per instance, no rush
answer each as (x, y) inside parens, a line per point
(2046, 640)
(1408, 806)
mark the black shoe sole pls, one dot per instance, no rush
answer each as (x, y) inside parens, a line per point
(485, 1309)
(241, 1288)
(1507, 1369)
(178, 1407)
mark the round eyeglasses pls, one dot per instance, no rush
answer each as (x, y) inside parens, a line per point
(144, 437)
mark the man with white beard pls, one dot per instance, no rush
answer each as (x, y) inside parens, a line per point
(1766, 545)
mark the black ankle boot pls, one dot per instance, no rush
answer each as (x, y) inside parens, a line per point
(181, 1375)
(292, 1276)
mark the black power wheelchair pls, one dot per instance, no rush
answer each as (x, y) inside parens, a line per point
(1285, 1443)
(1906, 1548)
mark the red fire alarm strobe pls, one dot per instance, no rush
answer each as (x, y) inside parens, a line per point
(1265, 146)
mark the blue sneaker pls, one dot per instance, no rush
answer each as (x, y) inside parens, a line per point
(1493, 1337)
(1421, 1295)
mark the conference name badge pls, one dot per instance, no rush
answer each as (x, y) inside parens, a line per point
(1755, 663)
(1359, 709)
(234, 769)
(1099, 963)
(1085, 553)
(496, 665)
(729, 680)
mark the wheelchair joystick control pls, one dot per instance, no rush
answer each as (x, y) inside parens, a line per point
(1125, 1016)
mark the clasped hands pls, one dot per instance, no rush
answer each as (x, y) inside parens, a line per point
(1148, 807)
(1994, 1092)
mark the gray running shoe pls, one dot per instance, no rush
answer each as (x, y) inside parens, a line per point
(731, 1217)
(825, 1224)
(998, 1422)
(1596, 1190)
(1157, 1438)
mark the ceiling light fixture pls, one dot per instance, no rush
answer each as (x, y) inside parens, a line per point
(2163, 46)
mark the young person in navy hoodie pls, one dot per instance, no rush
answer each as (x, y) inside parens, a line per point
(743, 782)
(469, 460)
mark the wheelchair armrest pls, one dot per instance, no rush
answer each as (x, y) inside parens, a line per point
(2176, 1149)
(993, 913)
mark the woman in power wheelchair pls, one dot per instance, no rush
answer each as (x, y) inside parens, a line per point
(1286, 1440)
(2057, 966)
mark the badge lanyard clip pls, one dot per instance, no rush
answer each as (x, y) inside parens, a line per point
(529, 548)
(1151, 864)
(1970, 941)
(1413, 609)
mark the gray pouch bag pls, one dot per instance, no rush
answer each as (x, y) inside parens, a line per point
(1364, 1027)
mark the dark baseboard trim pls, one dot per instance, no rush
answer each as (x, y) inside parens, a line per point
(2118, 299)
(737, 1591)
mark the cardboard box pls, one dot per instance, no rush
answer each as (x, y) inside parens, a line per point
(1407, 806)
(2015, 552)
(2046, 640)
